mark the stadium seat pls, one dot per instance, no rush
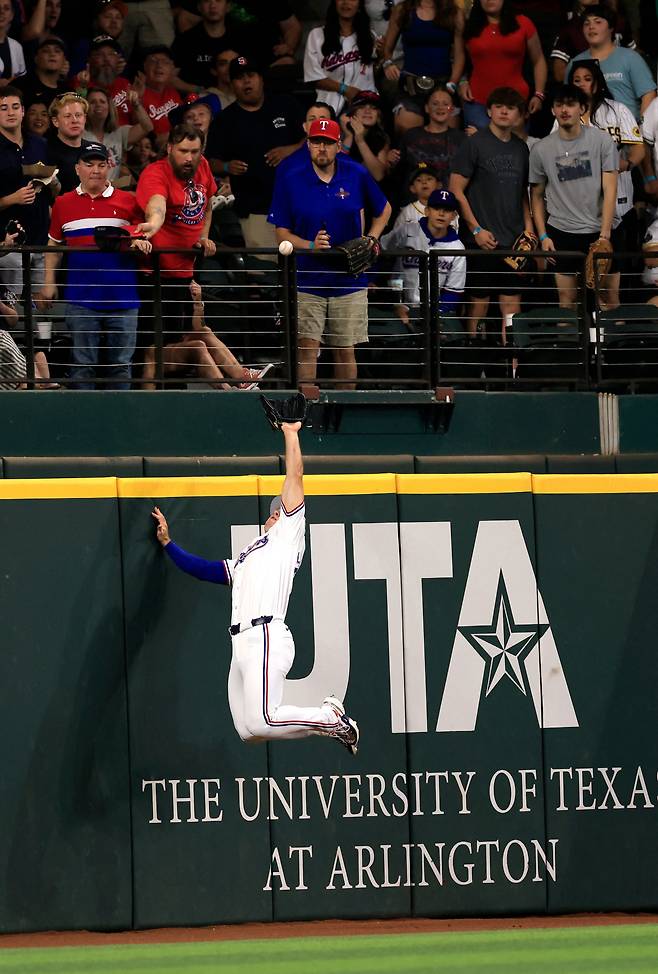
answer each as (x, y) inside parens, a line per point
(549, 345)
(627, 350)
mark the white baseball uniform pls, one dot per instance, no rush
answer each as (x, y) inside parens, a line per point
(261, 578)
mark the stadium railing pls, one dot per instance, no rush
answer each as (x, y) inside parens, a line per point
(250, 303)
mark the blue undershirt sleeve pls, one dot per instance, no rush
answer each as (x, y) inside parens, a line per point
(207, 571)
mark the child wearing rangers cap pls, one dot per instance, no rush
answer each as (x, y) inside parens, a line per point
(434, 231)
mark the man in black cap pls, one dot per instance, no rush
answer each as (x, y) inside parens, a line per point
(101, 288)
(106, 62)
(46, 79)
(252, 136)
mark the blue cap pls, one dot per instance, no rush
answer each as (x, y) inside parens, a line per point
(442, 199)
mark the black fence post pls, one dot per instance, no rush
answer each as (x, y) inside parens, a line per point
(157, 319)
(429, 320)
(289, 317)
(28, 316)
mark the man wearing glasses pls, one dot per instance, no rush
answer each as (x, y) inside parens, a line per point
(316, 205)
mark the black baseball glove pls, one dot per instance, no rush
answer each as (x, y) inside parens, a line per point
(291, 410)
(113, 239)
(360, 253)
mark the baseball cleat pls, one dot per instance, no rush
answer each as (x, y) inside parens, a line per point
(347, 733)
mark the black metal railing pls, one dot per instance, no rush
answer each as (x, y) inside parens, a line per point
(251, 309)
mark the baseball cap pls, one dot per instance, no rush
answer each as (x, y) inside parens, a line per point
(157, 49)
(423, 169)
(104, 40)
(94, 150)
(177, 114)
(242, 65)
(54, 40)
(104, 4)
(363, 98)
(442, 199)
(324, 128)
(275, 505)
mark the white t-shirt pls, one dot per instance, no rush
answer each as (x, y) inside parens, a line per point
(650, 130)
(263, 573)
(16, 57)
(345, 67)
(452, 269)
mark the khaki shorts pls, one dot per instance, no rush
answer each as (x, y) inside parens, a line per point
(338, 322)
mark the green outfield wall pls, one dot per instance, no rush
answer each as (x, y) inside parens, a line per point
(493, 634)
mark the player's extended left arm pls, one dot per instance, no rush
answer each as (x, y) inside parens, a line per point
(292, 495)
(609, 183)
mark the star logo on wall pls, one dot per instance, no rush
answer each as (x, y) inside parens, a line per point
(504, 644)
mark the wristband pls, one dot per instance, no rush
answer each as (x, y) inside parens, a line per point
(540, 95)
(311, 245)
(225, 167)
(387, 63)
(342, 88)
(476, 230)
(650, 179)
(543, 236)
(451, 86)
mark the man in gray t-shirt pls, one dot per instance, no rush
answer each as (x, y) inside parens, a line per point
(573, 175)
(490, 181)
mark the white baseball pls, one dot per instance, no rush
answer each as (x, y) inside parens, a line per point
(286, 248)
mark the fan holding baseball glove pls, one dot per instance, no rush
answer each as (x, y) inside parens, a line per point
(319, 206)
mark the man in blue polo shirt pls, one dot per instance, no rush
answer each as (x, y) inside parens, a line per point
(101, 288)
(317, 205)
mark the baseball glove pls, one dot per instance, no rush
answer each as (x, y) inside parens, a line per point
(524, 242)
(360, 253)
(113, 239)
(600, 246)
(278, 411)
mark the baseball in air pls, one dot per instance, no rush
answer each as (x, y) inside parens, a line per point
(286, 248)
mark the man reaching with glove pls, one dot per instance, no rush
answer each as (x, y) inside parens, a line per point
(261, 579)
(317, 205)
(573, 173)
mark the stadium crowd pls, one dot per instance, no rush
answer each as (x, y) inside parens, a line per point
(449, 125)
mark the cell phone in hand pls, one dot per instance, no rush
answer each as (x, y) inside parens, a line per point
(14, 228)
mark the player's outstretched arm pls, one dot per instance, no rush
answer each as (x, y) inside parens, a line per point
(218, 572)
(292, 494)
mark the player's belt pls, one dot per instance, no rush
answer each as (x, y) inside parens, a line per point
(242, 626)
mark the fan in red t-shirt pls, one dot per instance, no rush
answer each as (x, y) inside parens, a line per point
(174, 194)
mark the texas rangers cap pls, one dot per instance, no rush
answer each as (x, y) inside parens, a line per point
(442, 199)
(324, 128)
(275, 505)
(364, 98)
(242, 65)
(94, 150)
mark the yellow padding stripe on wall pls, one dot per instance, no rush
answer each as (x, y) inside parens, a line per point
(58, 488)
(461, 483)
(326, 485)
(334, 485)
(188, 486)
(595, 483)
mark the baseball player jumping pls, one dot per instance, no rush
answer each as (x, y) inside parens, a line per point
(263, 649)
